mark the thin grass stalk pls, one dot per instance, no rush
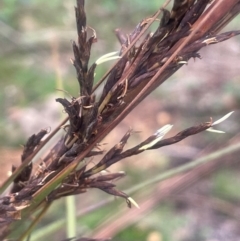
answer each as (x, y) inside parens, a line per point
(47, 230)
(39, 216)
(214, 156)
(71, 226)
(71, 218)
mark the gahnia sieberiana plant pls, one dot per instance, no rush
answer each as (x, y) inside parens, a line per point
(145, 60)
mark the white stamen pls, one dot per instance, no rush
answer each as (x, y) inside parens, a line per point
(133, 202)
(222, 119)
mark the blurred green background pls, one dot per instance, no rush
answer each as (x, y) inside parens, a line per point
(35, 53)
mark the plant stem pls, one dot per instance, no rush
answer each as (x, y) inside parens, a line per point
(34, 222)
(186, 167)
(71, 222)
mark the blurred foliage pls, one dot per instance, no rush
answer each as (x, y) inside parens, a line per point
(224, 183)
(160, 223)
